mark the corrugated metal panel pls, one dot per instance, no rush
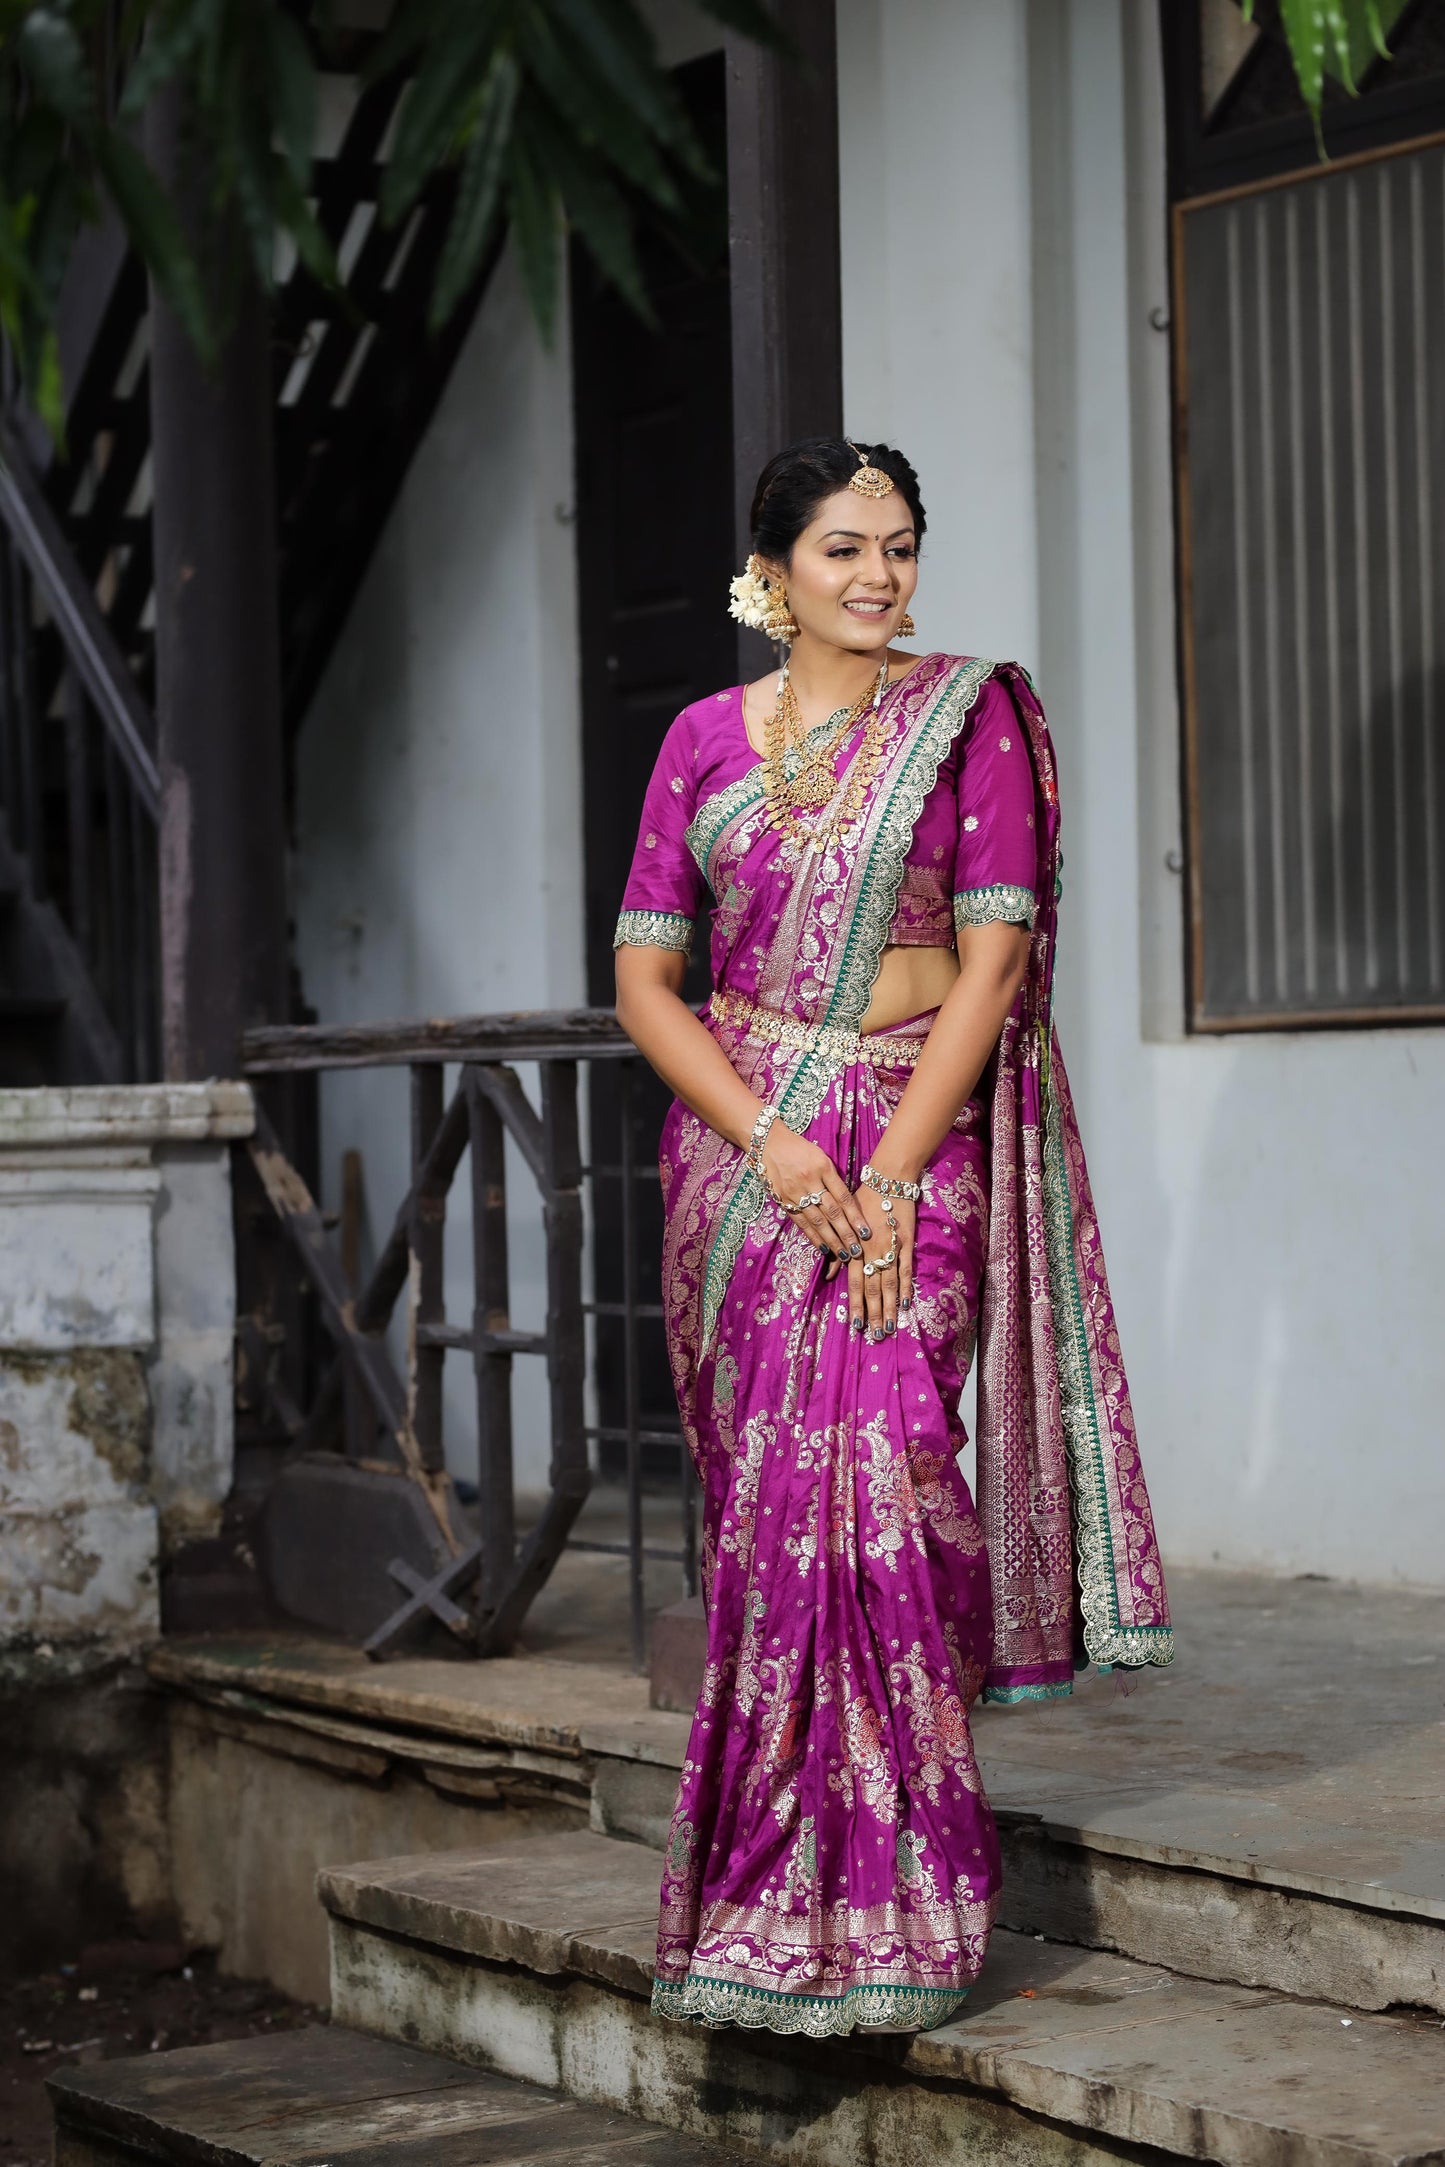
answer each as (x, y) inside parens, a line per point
(1312, 444)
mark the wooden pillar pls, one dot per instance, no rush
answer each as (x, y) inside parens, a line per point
(787, 311)
(224, 921)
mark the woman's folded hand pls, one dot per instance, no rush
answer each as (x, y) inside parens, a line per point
(808, 1187)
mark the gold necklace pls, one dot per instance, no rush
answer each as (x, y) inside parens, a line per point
(814, 782)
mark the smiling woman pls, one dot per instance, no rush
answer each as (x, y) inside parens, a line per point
(871, 1157)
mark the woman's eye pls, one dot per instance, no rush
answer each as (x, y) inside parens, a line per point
(845, 551)
(903, 550)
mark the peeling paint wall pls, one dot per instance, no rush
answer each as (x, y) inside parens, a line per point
(117, 1316)
(117, 1322)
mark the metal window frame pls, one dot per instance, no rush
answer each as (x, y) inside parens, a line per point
(1381, 1016)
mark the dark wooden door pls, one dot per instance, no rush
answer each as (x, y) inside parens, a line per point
(653, 409)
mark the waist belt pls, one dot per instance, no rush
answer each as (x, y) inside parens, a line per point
(769, 1027)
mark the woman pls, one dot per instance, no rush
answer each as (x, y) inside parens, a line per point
(872, 1160)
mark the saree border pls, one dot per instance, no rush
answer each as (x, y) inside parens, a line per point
(806, 1088)
(701, 2000)
(654, 929)
(1108, 1642)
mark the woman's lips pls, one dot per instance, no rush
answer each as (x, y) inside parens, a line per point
(868, 609)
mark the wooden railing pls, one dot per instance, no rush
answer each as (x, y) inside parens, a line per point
(79, 785)
(483, 1590)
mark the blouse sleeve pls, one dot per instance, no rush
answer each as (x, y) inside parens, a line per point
(996, 868)
(665, 887)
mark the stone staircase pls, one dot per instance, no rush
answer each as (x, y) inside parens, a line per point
(1222, 1935)
(536, 1961)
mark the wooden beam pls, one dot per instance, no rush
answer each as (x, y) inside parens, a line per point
(224, 929)
(530, 1035)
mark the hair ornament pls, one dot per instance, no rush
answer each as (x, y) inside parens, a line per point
(757, 603)
(869, 481)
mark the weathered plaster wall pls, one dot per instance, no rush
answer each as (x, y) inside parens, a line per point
(84, 1835)
(234, 1784)
(117, 1313)
(117, 1310)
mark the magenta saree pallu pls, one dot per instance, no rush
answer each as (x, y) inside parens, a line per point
(832, 1860)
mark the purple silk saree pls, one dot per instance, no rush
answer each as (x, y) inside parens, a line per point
(832, 1860)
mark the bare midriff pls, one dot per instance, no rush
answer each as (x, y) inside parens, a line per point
(909, 981)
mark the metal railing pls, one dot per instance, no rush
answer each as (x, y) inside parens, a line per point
(360, 1395)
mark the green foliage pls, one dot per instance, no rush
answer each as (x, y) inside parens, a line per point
(551, 114)
(1332, 37)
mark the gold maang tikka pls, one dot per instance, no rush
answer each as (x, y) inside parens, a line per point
(869, 481)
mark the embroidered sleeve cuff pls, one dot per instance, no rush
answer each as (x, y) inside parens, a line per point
(654, 929)
(999, 905)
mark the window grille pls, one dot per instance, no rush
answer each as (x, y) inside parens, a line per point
(1310, 376)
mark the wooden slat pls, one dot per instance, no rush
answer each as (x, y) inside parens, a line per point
(528, 1035)
(294, 1206)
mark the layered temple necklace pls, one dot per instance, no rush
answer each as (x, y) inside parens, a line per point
(800, 777)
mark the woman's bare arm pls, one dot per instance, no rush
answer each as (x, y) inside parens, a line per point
(992, 960)
(687, 1057)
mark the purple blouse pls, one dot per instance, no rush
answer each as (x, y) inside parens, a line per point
(972, 859)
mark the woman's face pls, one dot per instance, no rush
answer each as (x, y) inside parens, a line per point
(854, 570)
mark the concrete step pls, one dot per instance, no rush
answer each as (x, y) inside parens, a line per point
(1114, 1836)
(323, 2097)
(535, 1960)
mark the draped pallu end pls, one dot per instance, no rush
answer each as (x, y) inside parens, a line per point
(1061, 1493)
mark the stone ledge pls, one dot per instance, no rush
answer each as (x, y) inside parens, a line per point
(292, 2099)
(219, 1111)
(569, 1708)
(1111, 2052)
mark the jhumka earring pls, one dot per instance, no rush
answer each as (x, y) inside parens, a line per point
(869, 481)
(906, 627)
(778, 623)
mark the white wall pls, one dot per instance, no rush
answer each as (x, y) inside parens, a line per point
(937, 320)
(1268, 1201)
(439, 786)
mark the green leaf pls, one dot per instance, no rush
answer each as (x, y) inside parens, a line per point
(474, 218)
(172, 35)
(536, 234)
(313, 245)
(621, 48)
(595, 111)
(255, 181)
(52, 56)
(594, 207)
(151, 220)
(412, 25)
(293, 91)
(434, 109)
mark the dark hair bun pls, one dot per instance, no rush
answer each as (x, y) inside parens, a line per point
(795, 482)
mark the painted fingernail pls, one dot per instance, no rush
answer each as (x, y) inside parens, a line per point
(866, 1232)
(857, 1323)
(878, 1332)
(891, 1325)
(856, 1249)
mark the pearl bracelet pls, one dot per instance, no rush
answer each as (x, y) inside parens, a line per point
(759, 1137)
(889, 1185)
